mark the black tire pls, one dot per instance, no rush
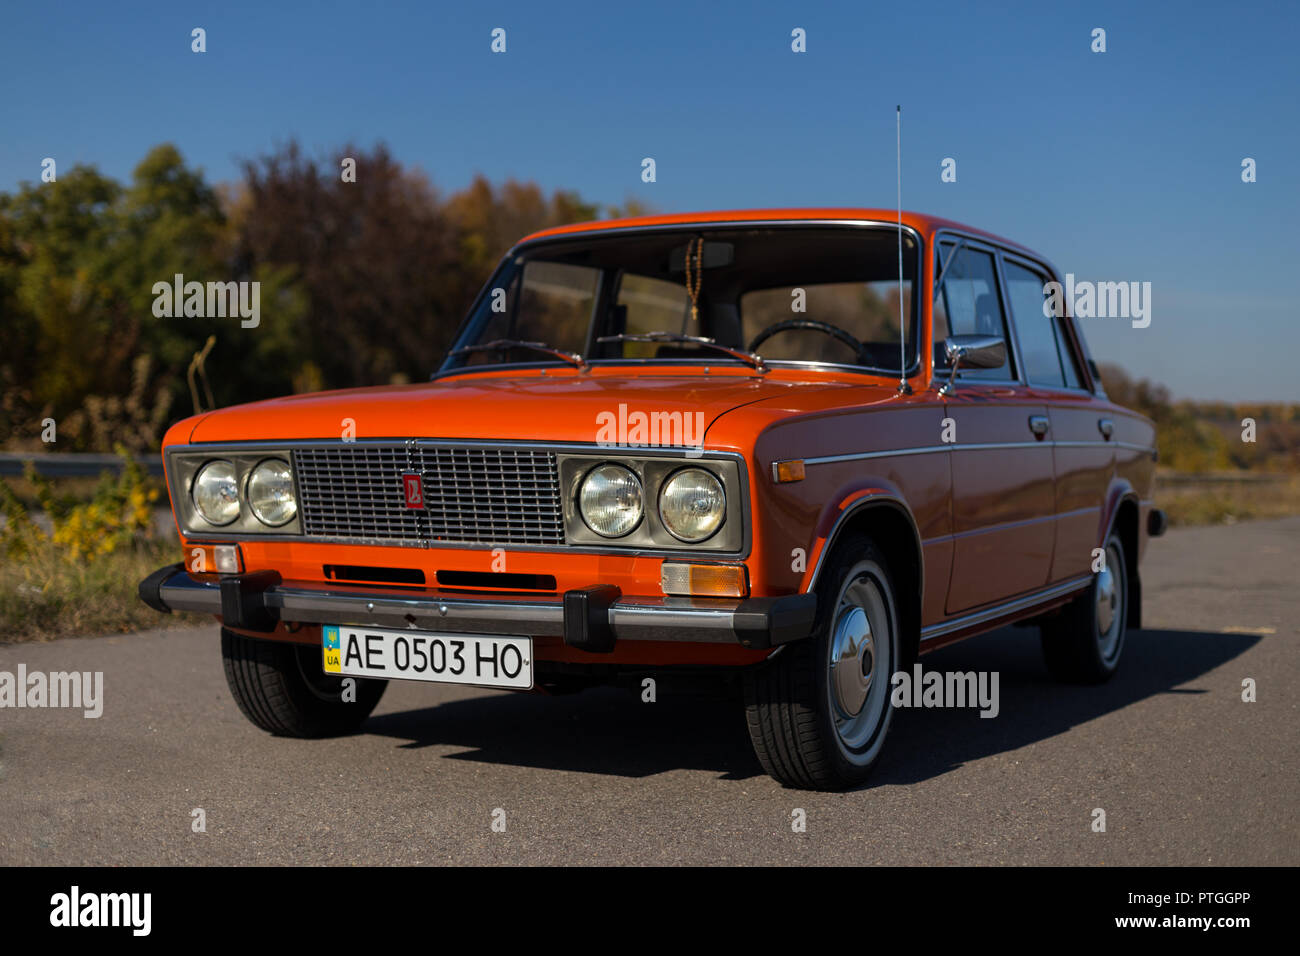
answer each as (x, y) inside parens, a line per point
(1076, 646)
(281, 688)
(801, 734)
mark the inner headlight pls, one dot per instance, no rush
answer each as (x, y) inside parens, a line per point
(610, 500)
(216, 493)
(692, 504)
(270, 492)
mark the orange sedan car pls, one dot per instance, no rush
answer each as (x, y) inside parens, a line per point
(806, 446)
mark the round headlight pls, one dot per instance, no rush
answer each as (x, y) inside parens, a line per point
(692, 504)
(610, 500)
(216, 493)
(270, 493)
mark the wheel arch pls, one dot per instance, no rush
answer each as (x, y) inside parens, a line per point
(887, 520)
(1125, 513)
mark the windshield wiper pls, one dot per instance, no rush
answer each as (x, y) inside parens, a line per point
(749, 358)
(497, 345)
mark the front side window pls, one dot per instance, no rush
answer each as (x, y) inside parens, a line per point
(967, 303)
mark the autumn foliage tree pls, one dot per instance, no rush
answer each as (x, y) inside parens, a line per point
(363, 279)
(388, 268)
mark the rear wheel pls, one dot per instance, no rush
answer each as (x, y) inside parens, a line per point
(281, 688)
(1083, 644)
(819, 711)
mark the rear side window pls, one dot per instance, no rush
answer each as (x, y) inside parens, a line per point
(967, 304)
(1044, 347)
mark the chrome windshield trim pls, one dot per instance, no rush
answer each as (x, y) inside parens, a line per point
(913, 369)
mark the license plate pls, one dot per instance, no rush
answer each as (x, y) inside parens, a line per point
(489, 660)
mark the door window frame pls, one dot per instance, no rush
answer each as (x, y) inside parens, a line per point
(1080, 366)
(977, 244)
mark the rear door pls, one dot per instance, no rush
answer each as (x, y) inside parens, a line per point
(1081, 434)
(1003, 497)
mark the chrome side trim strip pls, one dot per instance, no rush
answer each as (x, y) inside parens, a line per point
(892, 453)
(1091, 509)
(977, 446)
(1008, 607)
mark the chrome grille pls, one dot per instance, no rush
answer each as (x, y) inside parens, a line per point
(471, 494)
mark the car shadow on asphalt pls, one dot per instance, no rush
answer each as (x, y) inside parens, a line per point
(611, 731)
(925, 743)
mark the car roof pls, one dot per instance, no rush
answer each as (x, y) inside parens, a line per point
(922, 223)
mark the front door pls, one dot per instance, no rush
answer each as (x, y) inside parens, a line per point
(1003, 487)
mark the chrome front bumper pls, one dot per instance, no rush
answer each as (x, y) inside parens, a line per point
(591, 619)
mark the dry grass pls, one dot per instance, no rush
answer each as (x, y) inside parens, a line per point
(1223, 499)
(71, 565)
(44, 596)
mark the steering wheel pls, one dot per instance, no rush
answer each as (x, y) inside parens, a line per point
(834, 331)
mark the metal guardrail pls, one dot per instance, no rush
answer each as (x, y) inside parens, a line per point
(72, 465)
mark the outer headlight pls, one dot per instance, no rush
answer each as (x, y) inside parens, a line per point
(610, 500)
(270, 492)
(216, 493)
(692, 504)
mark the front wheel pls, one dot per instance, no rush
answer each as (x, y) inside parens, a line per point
(281, 688)
(1082, 644)
(819, 711)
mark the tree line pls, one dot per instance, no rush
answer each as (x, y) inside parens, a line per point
(365, 270)
(1200, 437)
(362, 282)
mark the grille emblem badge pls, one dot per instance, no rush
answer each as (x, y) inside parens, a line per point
(413, 485)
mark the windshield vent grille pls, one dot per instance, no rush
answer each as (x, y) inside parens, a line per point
(471, 495)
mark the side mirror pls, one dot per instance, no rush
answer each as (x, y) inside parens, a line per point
(973, 351)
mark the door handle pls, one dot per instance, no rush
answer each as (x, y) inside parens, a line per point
(1106, 427)
(1038, 425)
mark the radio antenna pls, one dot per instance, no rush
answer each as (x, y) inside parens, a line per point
(903, 387)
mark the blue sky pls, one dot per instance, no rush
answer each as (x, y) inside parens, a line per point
(1123, 165)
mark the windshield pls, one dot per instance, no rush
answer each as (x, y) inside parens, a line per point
(795, 294)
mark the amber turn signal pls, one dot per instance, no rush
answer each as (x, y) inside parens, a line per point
(783, 471)
(704, 580)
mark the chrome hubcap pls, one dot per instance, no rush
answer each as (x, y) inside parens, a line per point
(1106, 598)
(860, 662)
(852, 658)
(1109, 595)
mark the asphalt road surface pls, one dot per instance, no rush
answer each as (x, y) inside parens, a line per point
(1186, 772)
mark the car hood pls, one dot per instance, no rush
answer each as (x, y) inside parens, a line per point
(560, 406)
